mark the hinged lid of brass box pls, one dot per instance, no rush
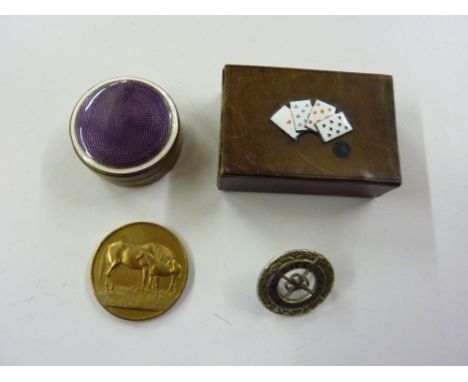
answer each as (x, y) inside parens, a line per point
(256, 155)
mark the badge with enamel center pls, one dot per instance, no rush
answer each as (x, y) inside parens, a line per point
(295, 282)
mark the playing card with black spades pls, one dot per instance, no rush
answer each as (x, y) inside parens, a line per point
(333, 127)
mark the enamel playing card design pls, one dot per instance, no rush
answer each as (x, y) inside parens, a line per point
(320, 110)
(284, 120)
(300, 111)
(333, 127)
(319, 117)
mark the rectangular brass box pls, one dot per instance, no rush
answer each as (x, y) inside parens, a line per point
(256, 155)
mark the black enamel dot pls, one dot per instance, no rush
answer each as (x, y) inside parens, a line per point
(342, 149)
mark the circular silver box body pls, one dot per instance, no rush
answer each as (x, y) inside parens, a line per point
(127, 130)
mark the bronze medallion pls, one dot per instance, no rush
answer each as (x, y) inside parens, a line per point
(295, 282)
(139, 271)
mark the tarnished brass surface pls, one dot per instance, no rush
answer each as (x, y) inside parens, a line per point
(139, 271)
(255, 155)
(295, 282)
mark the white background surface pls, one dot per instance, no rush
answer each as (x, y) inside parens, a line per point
(400, 295)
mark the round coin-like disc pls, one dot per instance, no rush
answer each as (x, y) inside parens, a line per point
(139, 271)
(295, 282)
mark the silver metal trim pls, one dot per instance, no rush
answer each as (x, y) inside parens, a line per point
(85, 157)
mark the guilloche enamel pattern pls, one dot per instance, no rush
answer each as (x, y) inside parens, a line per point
(127, 130)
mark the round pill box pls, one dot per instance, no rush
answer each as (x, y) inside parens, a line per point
(127, 130)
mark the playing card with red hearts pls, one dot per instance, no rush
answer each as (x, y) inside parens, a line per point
(284, 120)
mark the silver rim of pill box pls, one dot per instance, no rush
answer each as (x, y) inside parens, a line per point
(128, 170)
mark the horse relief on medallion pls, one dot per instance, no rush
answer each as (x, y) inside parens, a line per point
(137, 276)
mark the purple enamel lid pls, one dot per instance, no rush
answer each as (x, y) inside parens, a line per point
(123, 123)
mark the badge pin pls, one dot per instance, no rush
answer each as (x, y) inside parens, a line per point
(295, 282)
